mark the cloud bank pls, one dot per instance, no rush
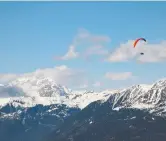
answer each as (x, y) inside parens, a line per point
(152, 52)
(60, 74)
(93, 44)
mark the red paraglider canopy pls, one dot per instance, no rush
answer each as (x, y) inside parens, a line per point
(136, 41)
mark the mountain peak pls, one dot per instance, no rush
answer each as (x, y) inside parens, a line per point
(39, 86)
(159, 83)
(150, 97)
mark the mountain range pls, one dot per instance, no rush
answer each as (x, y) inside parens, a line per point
(34, 108)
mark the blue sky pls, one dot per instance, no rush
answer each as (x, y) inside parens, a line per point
(32, 34)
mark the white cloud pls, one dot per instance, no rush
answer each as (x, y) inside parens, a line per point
(60, 74)
(89, 40)
(97, 84)
(84, 35)
(71, 54)
(5, 78)
(118, 75)
(96, 50)
(152, 52)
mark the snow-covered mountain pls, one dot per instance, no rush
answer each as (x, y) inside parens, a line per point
(33, 90)
(149, 97)
(30, 91)
(98, 122)
(134, 113)
(38, 105)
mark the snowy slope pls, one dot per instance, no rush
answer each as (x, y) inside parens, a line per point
(71, 100)
(81, 100)
(149, 97)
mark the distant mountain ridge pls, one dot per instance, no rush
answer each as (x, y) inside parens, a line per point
(30, 91)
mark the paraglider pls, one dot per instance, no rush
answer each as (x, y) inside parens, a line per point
(136, 41)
